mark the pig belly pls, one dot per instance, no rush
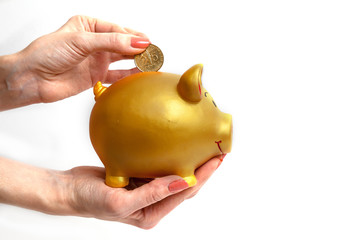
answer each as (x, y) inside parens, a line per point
(149, 163)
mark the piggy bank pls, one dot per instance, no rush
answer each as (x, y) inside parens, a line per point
(153, 124)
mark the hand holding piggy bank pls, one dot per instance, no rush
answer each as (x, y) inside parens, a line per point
(154, 124)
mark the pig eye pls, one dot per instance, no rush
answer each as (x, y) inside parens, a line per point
(214, 103)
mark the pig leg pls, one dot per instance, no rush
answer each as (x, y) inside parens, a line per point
(116, 181)
(191, 180)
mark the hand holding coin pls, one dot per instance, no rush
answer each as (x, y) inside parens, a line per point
(150, 60)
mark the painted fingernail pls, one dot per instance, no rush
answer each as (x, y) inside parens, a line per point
(221, 160)
(139, 42)
(178, 185)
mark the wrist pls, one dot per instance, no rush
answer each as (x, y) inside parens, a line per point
(71, 194)
(46, 192)
(67, 195)
(59, 198)
(18, 86)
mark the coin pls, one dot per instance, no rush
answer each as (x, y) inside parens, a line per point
(150, 60)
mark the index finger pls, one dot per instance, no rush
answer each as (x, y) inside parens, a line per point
(101, 26)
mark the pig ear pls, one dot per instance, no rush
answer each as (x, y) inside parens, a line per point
(190, 85)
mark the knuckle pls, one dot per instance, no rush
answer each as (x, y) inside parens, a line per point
(79, 43)
(113, 205)
(119, 40)
(121, 43)
(155, 194)
(110, 202)
(147, 224)
(193, 194)
(76, 18)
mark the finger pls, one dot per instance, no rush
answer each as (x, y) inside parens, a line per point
(125, 44)
(114, 57)
(100, 26)
(202, 174)
(140, 34)
(193, 194)
(89, 24)
(116, 75)
(155, 191)
(162, 208)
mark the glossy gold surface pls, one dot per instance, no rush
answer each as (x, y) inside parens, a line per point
(154, 124)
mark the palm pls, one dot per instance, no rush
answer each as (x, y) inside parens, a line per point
(140, 204)
(63, 71)
(109, 203)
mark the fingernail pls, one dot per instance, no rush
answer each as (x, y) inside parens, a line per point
(138, 42)
(178, 185)
(221, 160)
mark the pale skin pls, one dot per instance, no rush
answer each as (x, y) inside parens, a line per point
(62, 64)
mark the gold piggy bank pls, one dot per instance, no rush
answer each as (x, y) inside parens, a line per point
(154, 124)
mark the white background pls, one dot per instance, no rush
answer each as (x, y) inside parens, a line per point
(288, 72)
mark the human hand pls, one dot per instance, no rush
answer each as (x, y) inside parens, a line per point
(143, 206)
(70, 60)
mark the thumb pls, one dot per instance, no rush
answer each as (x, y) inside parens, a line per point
(121, 43)
(156, 191)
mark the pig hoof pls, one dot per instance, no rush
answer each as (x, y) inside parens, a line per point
(116, 182)
(191, 180)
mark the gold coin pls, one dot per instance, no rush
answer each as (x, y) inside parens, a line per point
(150, 60)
